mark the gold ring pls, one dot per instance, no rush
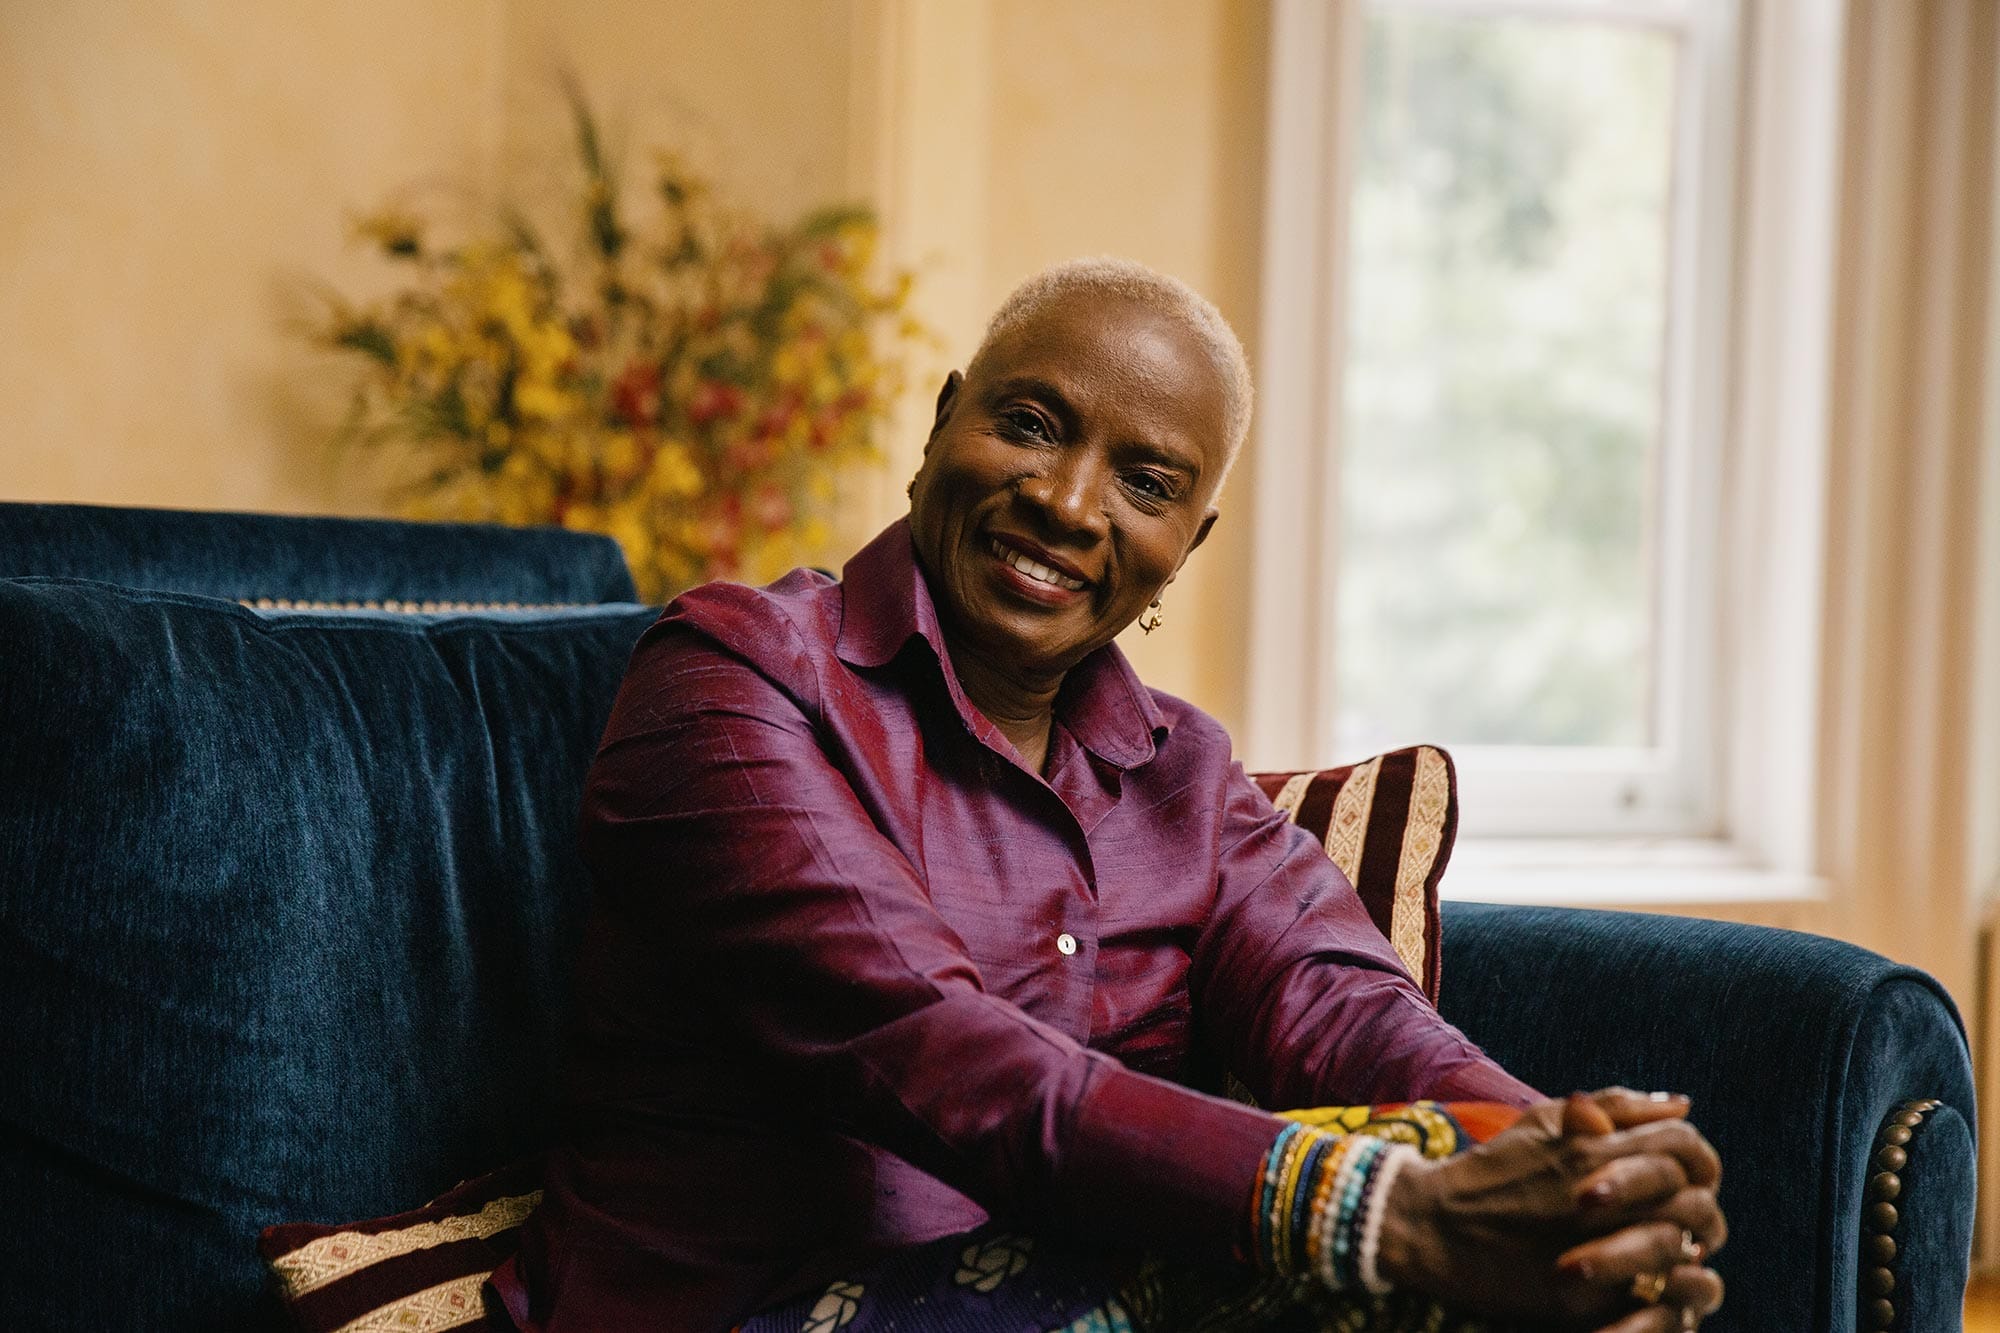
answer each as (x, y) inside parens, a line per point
(1647, 1288)
(1690, 1248)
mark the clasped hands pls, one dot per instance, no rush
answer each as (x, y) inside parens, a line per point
(1594, 1213)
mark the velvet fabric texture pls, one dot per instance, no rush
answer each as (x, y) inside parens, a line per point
(1793, 1047)
(287, 911)
(251, 556)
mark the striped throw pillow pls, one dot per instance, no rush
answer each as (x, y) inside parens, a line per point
(1388, 823)
(416, 1272)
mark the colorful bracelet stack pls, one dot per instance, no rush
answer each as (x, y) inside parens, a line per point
(1319, 1206)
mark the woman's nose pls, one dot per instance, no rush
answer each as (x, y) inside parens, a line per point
(1070, 492)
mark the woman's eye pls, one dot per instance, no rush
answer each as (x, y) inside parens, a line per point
(1026, 423)
(1151, 485)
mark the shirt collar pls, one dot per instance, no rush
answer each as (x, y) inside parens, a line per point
(886, 602)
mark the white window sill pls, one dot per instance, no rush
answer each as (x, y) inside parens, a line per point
(1675, 874)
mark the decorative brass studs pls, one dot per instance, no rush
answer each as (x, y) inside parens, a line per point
(1880, 1216)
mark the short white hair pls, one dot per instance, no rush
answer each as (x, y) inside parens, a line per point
(1160, 292)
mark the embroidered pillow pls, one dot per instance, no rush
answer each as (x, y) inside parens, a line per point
(1388, 823)
(417, 1270)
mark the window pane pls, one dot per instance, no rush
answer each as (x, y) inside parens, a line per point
(1503, 388)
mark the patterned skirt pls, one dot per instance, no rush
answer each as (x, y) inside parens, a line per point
(996, 1281)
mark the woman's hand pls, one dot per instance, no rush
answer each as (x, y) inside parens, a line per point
(1618, 1171)
(1688, 1292)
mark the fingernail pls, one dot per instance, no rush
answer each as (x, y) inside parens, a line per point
(1582, 1270)
(1598, 1194)
(1667, 1096)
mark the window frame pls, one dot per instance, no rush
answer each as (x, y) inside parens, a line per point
(1745, 379)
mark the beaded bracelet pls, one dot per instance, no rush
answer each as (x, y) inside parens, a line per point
(1319, 1206)
(1398, 1156)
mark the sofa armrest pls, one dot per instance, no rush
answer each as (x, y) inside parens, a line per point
(1797, 1050)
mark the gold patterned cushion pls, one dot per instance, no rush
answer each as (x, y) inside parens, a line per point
(417, 1272)
(1387, 823)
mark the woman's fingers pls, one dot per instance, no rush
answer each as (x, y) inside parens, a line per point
(1692, 1294)
(1692, 1287)
(1667, 1138)
(1584, 1117)
(1697, 1212)
(1629, 1188)
(1626, 1108)
(1614, 1260)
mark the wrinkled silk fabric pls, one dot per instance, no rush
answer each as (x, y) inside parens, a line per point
(855, 979)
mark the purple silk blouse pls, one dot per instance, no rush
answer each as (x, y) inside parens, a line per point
(854, 978)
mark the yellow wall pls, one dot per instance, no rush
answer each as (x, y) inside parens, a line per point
(176, 174)
(1136, 128)
(757, 95)
(170, 170)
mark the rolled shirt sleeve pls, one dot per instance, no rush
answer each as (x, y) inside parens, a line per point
(1304, 999)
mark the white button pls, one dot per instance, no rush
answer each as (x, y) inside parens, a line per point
(1066, 944)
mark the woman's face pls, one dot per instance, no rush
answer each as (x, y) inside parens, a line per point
(1066, 479)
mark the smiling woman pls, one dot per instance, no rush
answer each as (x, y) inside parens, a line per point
(1070, 473)
(924, 932)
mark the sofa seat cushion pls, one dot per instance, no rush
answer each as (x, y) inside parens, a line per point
(286, 903)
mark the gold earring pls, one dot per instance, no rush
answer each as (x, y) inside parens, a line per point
(1149, 619)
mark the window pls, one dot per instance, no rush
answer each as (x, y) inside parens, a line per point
(1507, 498)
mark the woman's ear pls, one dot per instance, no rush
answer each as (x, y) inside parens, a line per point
(1200, 536)
(946, 399)
(1201, 533)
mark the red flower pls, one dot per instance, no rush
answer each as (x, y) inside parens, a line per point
(636, 393)
(713, 400)
(771, 507)
(751, 454)
(719, 532)
(774, 419)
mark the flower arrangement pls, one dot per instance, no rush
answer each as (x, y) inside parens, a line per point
(690, 389)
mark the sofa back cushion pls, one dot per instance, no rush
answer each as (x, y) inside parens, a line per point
(278, 558)
(286, 904)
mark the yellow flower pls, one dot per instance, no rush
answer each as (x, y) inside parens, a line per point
(500, 379)
(772, 558)
(630, 528)
(533, 398)
(621, 453)
(825, 386)
(674, 472)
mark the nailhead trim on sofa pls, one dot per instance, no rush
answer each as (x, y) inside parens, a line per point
(1879, 1215)
(390, 604)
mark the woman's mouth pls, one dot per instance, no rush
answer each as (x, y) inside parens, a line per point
(1030, 568)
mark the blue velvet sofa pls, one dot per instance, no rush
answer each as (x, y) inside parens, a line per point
(287, 890)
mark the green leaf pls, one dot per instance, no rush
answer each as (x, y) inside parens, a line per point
(368, 338)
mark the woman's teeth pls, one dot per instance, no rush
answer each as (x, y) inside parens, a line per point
(1035, 569)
